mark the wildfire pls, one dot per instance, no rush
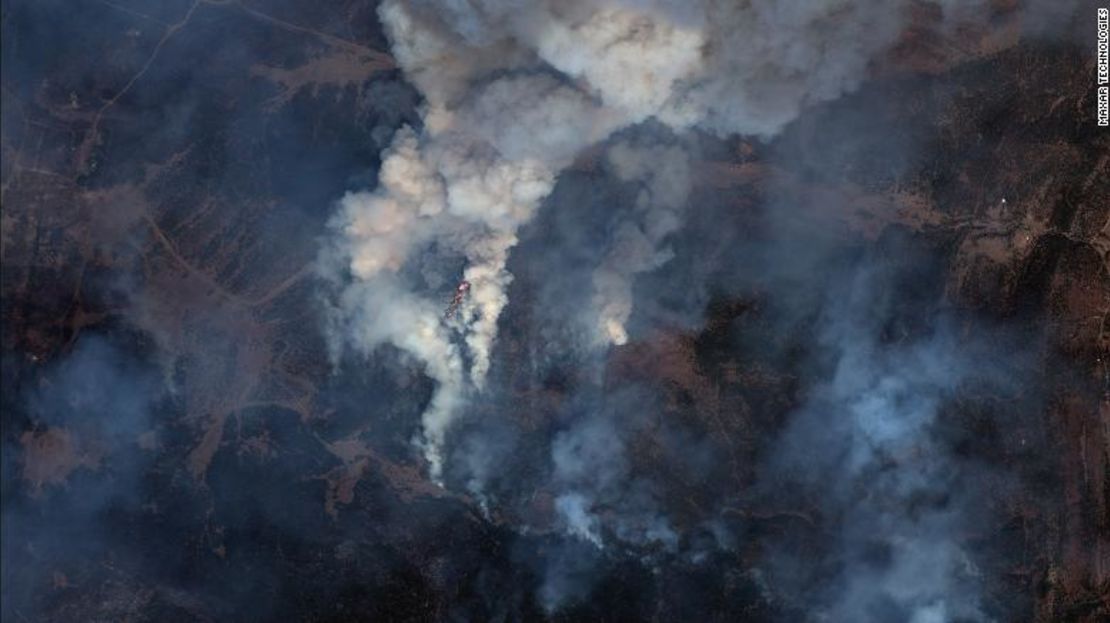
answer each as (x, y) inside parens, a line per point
(460, 295)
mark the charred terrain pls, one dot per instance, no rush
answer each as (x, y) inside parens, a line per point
(181, 442)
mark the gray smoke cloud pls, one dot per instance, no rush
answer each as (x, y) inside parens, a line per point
(596, 493)
(513, 92)
(867, 446)
(662, 173)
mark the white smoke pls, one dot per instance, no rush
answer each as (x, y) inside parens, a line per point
(514, 90)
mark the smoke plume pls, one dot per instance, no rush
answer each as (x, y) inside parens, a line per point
(663, 174)
(513, 93)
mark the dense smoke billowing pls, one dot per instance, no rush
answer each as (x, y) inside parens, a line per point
(552, 310)
(512, 94)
